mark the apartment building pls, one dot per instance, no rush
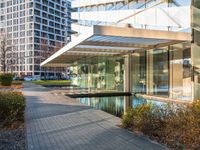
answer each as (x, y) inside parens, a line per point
(34, 30)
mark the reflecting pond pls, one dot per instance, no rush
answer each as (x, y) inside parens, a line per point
(113, 105)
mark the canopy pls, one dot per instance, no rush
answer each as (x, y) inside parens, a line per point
(113, 41)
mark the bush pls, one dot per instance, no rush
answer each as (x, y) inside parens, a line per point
(176, 126)
(12, 105)
(6, 79)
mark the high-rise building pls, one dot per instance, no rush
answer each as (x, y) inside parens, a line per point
(34, 29)
(148, 47)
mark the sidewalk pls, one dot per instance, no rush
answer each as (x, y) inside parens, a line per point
(56, 122)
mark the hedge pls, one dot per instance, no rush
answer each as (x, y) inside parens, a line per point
(176, 126)
(6, 79)
(12, 105)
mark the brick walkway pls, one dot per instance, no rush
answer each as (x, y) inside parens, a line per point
(56, 122)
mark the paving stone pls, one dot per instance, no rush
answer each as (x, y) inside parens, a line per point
(56, 122)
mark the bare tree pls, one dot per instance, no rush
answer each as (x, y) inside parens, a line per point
(44, 54)
(5, 52)
(46, 51)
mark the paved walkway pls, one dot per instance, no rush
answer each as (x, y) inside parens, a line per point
(56, 122)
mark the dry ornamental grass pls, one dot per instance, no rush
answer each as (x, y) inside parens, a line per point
(176, 126)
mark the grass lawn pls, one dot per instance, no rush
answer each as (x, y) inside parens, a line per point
(52, 82)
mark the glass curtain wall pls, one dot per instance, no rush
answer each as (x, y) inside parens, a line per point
(196, 48)
(165, 72)
(180, 71)
(138, 74)
(83, 73)
(74, 74)
(157, 72)
(101, 73)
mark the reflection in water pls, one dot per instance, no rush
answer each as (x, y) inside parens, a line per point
(114, 105)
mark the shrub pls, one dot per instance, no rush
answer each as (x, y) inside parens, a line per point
(6, 79)
(12, 105)
(176, 126)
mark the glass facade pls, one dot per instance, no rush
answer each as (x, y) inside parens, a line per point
(99, 73)
(165, 72)
(162, 72)
(172, 71)
(196, 48)
(157, 72)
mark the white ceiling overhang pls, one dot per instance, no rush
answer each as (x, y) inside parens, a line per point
(113, 41)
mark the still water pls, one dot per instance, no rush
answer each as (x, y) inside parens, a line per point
(112, 105)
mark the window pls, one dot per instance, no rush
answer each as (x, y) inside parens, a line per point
(38, 20)
(44, 21)
(44, 28)
(22, 20)
(44, 8)
(22, 34)
(37, 26)
(29, 33)
(15, 21)
(51, 4)
(51, 30)
(51, 23)
(15, 28)
(37, 6)
(2, 5)
(36, 40)
(22, 41)
(51, 36)
(22, 13)
(22, 27)
(37, 33)
(37, 12)
(9, 29)
(51, 11)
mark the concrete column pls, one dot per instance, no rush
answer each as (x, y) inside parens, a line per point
(89, 77)
(127, 82)
(149, 77)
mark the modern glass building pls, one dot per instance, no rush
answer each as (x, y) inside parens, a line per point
(34, 29)
(148, 47)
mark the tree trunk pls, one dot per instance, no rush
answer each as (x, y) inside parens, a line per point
(45, 73)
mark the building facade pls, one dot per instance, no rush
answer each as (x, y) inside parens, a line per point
(35, 29)
(146, 47)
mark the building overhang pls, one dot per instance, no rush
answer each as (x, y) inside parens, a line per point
(113, 41)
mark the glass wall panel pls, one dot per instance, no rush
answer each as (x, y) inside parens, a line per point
(196, 49)
(157, 72)
(83, 72)
(196, 18)
(119, 74)
(165, 72)
(101, 73)
(74, 74)
(138, 72)
(180, 71)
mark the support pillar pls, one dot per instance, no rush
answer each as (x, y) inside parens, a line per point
(149, 77)
(127, 82)
(89, 77)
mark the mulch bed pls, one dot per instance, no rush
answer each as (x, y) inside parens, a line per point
(12, 137)
(12, 87)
